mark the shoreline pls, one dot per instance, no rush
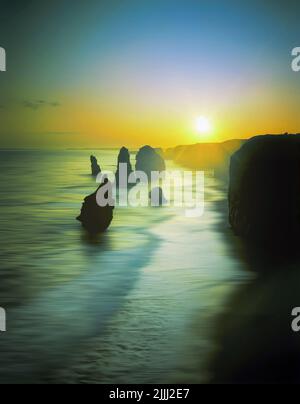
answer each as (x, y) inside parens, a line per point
(166, 321)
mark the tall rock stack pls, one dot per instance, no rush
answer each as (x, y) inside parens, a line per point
(124, 168)
(95, 166)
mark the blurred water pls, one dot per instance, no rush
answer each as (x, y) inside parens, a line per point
(131, 306)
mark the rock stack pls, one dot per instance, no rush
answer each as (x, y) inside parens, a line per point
(95, 166)
(95, 218)
(124, 168)
(148, 160)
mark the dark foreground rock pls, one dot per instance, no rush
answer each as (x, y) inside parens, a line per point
(264, 190)
(124, 162)
(95, 166)
(94, 218)
(148, 160)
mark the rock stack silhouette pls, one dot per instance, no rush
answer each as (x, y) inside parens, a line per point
(94, 218)
(123, 162)
(95, 166)
(148, 160)
(264, 190)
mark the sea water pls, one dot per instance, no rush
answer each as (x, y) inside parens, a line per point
(134, 305)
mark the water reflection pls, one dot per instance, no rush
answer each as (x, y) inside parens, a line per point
(253, 335)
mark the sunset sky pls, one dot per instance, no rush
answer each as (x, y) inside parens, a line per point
(126, 72)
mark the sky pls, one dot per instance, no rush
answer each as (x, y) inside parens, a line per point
(126, 72)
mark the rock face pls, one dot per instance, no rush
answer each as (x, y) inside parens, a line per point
(94, 218)
(264, 190)
(205, 156)
(123, 158)
(95, 166)
(148, 160)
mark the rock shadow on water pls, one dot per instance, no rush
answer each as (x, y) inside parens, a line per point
(101, 241)
(253, 336)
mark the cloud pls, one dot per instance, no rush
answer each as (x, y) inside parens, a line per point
(37, 104)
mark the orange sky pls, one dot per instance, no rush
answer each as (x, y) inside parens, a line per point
(142, 72)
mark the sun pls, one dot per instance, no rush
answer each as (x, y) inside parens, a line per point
(203, 125)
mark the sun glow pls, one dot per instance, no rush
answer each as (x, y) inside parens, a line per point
(203, 125)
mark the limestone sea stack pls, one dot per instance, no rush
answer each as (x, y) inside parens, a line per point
(94, 218)
(124, 168)
(264, 190)
(148, 160)
(95, 166)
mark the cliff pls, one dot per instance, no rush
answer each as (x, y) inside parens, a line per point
(264, 190)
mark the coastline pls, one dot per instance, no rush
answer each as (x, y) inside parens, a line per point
(162, 332)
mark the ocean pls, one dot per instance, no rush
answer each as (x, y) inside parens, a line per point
(138, 304)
